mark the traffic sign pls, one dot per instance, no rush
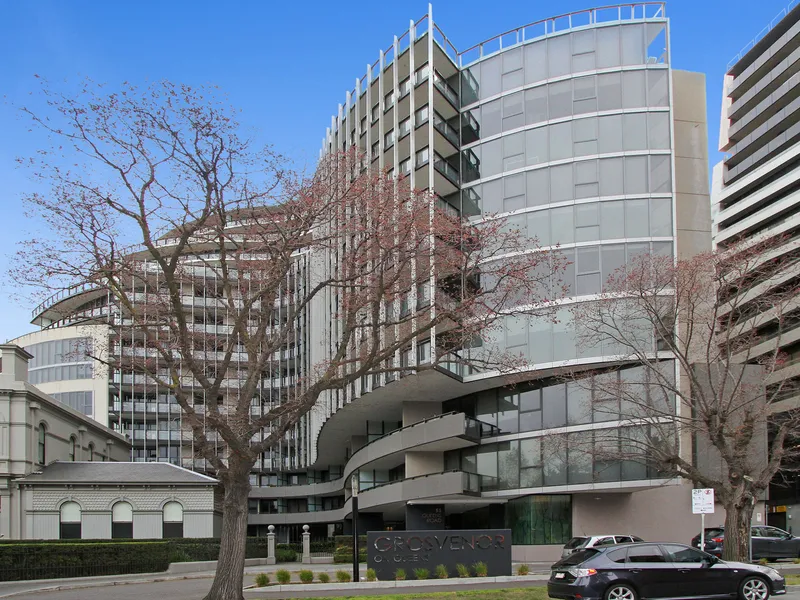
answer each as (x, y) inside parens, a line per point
(703, 501)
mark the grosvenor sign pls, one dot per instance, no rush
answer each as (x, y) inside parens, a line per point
(409, 550)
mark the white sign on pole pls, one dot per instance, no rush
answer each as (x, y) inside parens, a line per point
(703, 501)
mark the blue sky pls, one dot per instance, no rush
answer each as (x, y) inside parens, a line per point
(286, 65)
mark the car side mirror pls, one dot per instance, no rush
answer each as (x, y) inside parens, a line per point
(709, 561)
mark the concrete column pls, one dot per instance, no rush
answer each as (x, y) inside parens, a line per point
(271, 560)
(5, 513)
(306, 546)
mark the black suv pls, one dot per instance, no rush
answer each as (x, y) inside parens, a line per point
(768, 542)
(645, 570)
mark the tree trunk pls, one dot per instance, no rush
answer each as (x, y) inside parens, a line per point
(228, 580)
(738, 518)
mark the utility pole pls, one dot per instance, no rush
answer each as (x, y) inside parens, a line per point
(354, 489)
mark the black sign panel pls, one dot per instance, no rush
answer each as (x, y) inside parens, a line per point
(388, 551)
(424, 516)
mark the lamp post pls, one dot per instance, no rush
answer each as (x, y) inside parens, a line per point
(354, 490)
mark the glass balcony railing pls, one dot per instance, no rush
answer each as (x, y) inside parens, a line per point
(447, 130)
(444, 87)
(445, 168)
(478, 429)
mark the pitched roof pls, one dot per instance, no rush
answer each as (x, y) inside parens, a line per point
(117, 472)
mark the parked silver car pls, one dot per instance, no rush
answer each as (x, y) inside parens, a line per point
(595, 541)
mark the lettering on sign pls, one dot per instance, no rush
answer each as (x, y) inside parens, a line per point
(388, 551)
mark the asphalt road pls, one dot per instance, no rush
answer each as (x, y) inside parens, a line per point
(195, 589)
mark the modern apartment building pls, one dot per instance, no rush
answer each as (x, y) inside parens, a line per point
(575, 130)
(755, 189)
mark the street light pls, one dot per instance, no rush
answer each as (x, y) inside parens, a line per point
(354, 490)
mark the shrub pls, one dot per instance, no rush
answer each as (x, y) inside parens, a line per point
(262, 580)
(441, 572)
(283, 555)
(344, 549)
(400, 574)
(179, 555)
(463, 571)
(324, 578)
(421, 573)
(306, 576)
(283, 576)
(523, 570)
(371, 575)
(342, 576)
(481, 570)
(763, 561)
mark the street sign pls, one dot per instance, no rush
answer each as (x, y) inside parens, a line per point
(703, 501)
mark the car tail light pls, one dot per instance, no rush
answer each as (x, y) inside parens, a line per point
(582, 572)
(718, 540)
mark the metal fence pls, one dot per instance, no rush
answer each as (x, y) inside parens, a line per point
(322, 547)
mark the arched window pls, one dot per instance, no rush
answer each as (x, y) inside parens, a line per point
(73, 448)
(42, 443)
(173, 520)
(91, 451)
(122, 520)
(70, 522)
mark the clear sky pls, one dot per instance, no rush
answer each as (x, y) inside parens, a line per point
(286, 64)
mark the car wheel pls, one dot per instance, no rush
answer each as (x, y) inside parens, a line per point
(622, 591)
(754, 588)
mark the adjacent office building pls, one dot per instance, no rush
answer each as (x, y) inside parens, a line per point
(755, 191)
(575, 130)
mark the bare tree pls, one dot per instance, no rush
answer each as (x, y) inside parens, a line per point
(706, 334)
(216, 260)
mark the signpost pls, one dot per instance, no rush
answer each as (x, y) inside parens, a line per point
(703, 504)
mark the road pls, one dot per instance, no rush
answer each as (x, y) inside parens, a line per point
(195, 589)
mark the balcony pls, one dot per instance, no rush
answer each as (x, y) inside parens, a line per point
(441, 433)
(446, 169)
(448, 131)
(433, 486)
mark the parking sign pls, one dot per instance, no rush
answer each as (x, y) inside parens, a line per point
(703, 501)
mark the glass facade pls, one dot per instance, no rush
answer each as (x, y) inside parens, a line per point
(80, 401)
(541, 519)
(60, 360)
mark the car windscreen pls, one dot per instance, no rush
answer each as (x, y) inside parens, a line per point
(577, 558)
(576, 542)
(714, 531)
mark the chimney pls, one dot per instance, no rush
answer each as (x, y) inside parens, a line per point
(14, 362)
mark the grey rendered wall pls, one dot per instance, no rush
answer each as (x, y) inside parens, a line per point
(417, 411)
(661, 514)
(692, 198)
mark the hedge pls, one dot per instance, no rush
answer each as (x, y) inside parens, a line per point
(344, 549)
(50, 559)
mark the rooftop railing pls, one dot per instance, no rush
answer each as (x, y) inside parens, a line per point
(761, 34)
(638, 11)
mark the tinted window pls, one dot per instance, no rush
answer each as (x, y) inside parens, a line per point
(645, 554)
(576, 542)
(617, 556)
(775, 533)
(606, 541)
(578, 558)
(714, 531)
(682, 554)
(623, 539)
